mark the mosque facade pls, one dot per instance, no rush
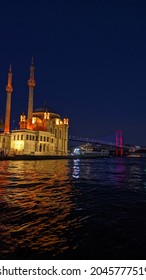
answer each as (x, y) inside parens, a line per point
(41, 132)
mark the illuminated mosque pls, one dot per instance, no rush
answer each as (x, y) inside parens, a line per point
(42, 132)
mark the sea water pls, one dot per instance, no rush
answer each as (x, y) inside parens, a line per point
(73, 209)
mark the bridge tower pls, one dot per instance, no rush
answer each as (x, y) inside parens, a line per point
(119, 142)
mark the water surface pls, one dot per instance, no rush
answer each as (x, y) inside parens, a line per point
(73, 209)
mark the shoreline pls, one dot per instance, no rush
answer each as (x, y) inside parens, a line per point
(51, 157)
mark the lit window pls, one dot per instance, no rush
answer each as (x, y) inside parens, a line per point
(22, 118)
(46, 116)
(34, 120)
(57, 121)
(65, 121)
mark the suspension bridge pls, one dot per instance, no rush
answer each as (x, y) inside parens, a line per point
(114, 140)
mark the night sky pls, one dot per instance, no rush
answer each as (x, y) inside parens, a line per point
(90, 62)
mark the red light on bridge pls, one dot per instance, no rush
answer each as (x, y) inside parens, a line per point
(119, 142)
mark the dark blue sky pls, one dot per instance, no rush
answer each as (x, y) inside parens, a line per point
(90, 62)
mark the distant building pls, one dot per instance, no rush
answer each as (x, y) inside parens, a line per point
(42, 132)
(89, 149)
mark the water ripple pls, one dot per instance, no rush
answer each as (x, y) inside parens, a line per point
(73, 208)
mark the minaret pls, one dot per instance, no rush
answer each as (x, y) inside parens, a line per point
(31, 84)
(9, 90)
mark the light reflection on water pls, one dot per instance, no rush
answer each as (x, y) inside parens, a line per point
(76, 168)
(72, 208)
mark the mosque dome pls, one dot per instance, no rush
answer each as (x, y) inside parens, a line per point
(42, 110)
(45, 109)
